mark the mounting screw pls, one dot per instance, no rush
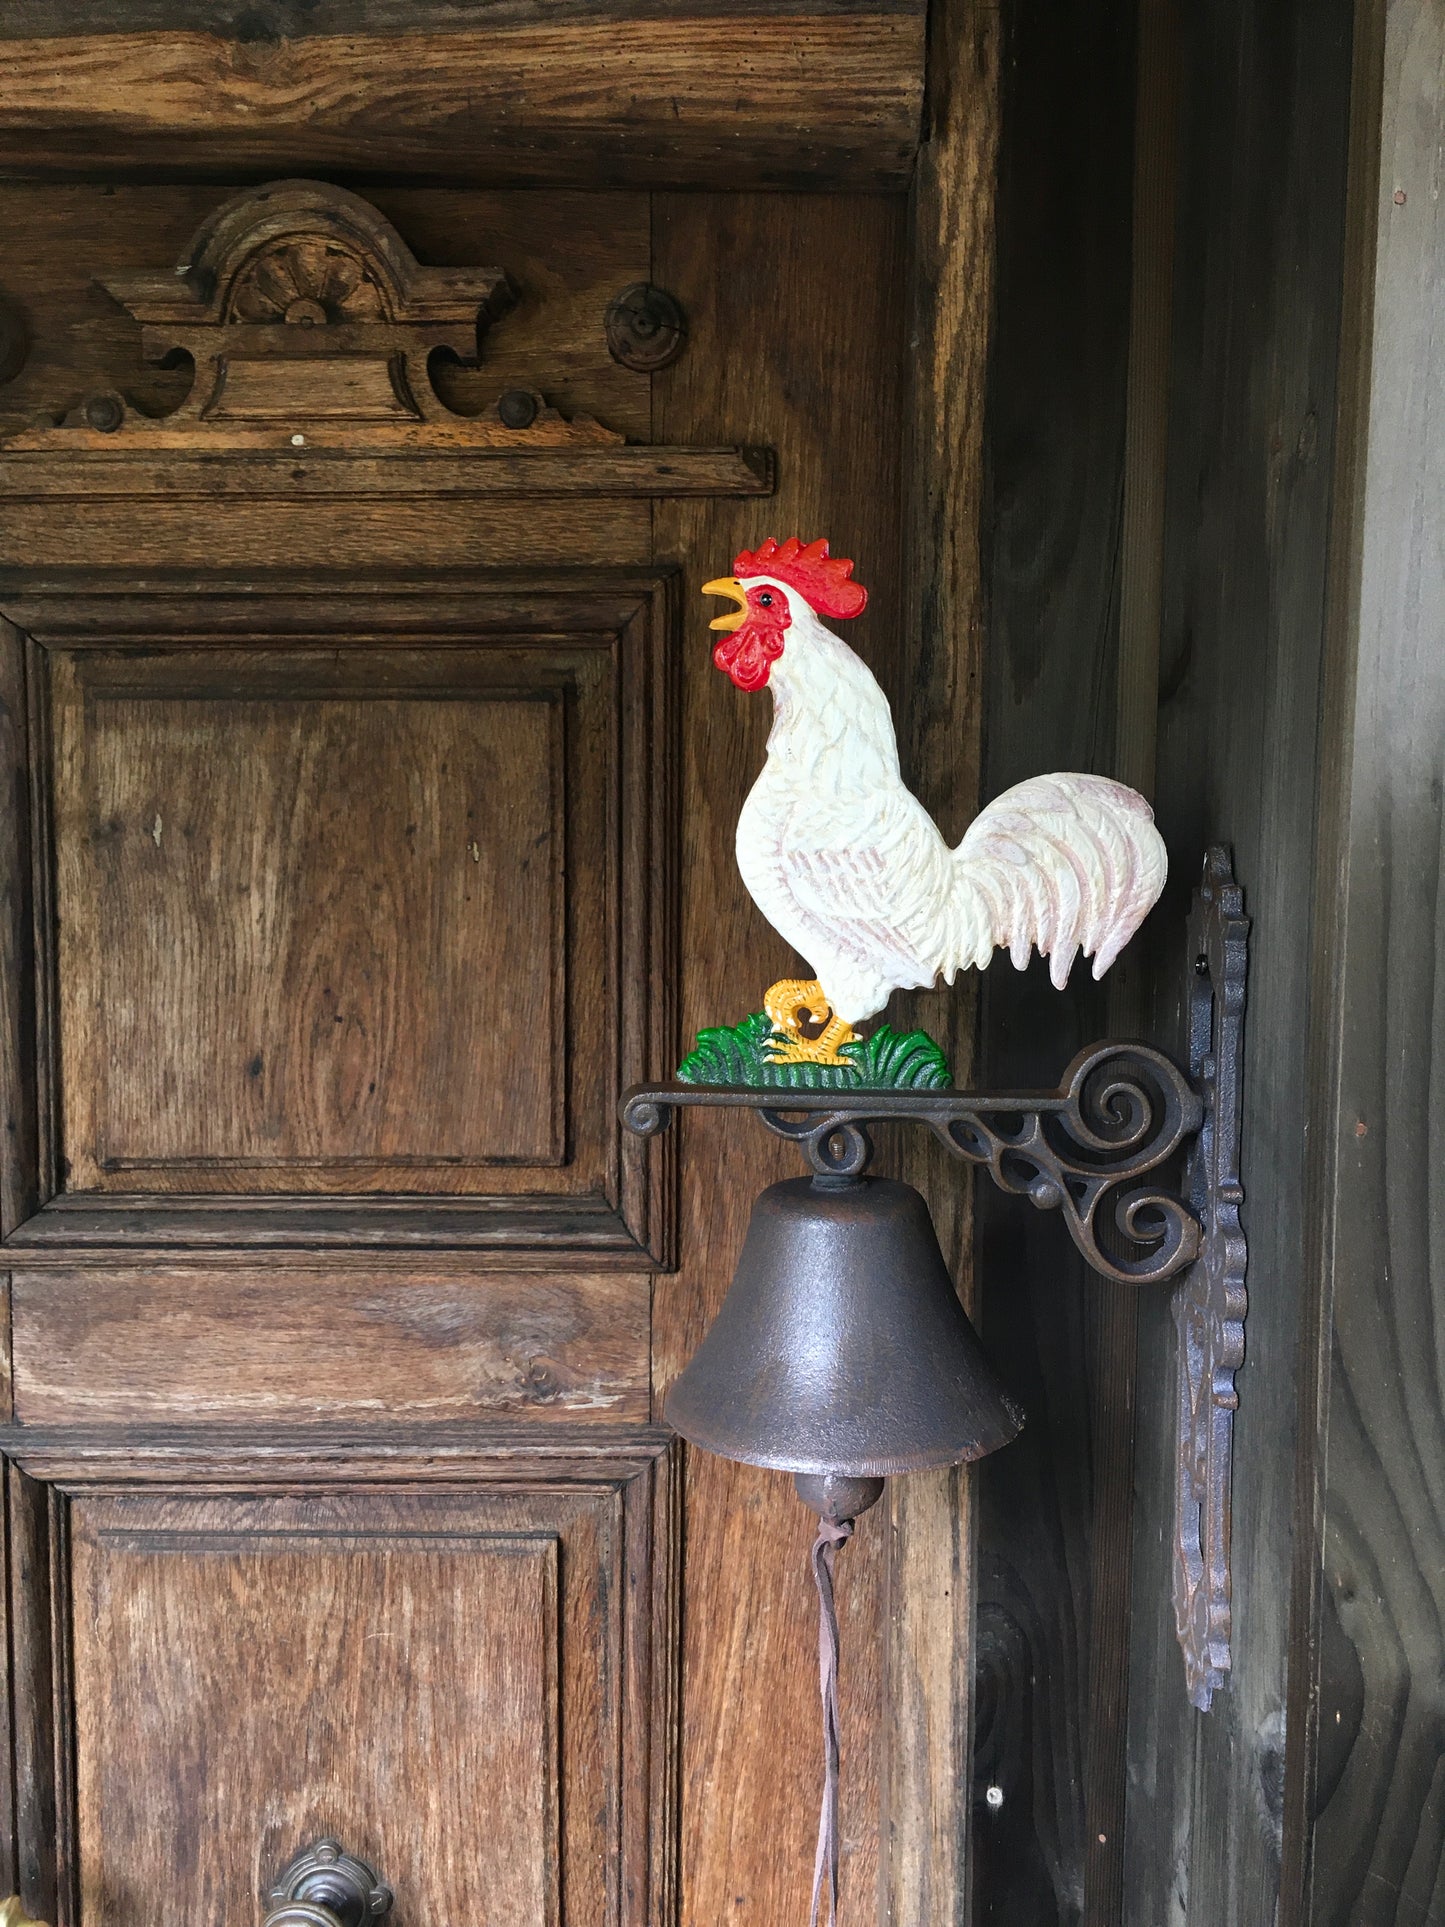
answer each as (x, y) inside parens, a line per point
(518, 408)
(104, 413)
(993, 1798)
(646, 328)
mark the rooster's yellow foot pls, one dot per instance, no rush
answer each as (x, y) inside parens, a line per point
(786, 999)
(783, 1002)
(815, 1050)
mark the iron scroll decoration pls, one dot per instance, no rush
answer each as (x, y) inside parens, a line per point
(1099, 1150)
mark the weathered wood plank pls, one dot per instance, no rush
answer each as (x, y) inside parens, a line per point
(768, 99)
(28, 1523)
(1372, 1799)
(516, 1232)
(935, 689)
(20, 1145)
(195, 1457)
(247, 469)
(260, 20)
(783, 276)
(1263, 120)
(240, 1658)
(166, 1346)
(1058, 416)
(1114, 1315)
(510, 534)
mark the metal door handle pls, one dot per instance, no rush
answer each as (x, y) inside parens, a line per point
(322, 1887)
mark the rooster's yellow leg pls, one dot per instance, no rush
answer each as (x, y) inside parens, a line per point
(782, 1003)
(784, 999)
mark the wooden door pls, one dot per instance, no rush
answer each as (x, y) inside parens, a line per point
(372, 799)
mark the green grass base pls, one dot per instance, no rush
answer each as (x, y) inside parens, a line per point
(889, 1060)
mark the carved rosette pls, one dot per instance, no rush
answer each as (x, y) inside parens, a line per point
(1210, 1302)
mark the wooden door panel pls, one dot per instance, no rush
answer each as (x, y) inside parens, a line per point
(236, 1293)
(462, 1664)
(294, 979)
(147, 1345)
(251, 1676)
(364, 894)
(290, 891)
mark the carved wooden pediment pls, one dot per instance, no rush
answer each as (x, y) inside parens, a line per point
(302, 309)
(299, 303)
(313, 332)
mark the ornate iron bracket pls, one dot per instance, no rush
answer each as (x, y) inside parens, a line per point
(1097, 1150)
(1121, 1112)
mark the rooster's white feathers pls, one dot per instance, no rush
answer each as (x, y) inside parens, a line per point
(848, 866)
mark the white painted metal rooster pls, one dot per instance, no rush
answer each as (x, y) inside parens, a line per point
(848, 866)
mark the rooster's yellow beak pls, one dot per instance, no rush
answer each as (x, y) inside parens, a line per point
(728, 585)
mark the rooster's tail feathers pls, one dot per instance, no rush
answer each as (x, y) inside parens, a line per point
(1060, 864)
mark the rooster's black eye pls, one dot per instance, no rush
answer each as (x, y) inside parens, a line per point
(766, 600)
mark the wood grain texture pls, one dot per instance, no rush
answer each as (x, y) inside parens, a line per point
(1257, 271)
(191, 1459)
(315, 535)
(1356, 377)
(9, 1812)
(20, 1177)
(251, 1664)
(510, 1408)
(300, 19)
(1057, 427)
(523, 1231)
(285, 1671)
(1113, 1361)
(600, 659)
(28, 1521)
(937, 686)
(769, 273)
(158, 1346)
(788, 98)
(76, 464)
(290, 978)
(1373, 1815)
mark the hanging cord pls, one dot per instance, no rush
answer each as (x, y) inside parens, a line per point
(831, 1535)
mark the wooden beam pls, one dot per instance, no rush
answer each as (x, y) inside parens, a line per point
(757, 99)
(1263, 122)
(252, 21)
(1050, 1508)
(402, 474)
(1372, 1650)
(930, 1646)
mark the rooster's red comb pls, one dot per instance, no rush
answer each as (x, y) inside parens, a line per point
(824, 581)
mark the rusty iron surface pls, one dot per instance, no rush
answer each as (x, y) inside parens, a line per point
(842, 1347)
(1121, 1112)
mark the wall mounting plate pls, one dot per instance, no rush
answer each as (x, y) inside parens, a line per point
(1210, 1300)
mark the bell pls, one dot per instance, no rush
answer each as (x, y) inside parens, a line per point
(841, 1352)
(842, 1355)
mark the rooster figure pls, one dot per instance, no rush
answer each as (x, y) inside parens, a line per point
(848, 866)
